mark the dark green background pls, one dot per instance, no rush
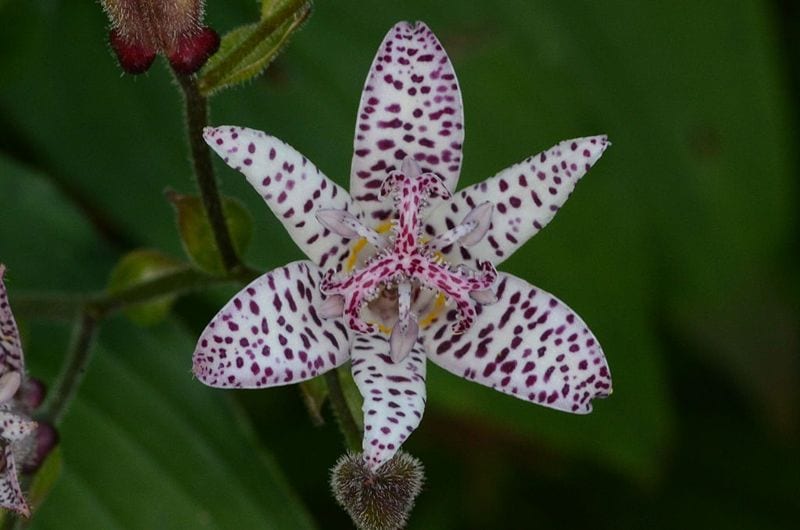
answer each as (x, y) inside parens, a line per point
(677, 249)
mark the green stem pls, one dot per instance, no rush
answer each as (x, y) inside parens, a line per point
(72, 371)
(176, 282)
(196, 120)
(93, 309)
(347, 424)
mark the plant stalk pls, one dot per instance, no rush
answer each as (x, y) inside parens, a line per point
(196, 121)
(77, 361)
(347, 424)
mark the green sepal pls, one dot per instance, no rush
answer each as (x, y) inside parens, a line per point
(138, 267)
(246, 51)
(197, 236)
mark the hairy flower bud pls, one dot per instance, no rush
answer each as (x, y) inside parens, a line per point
(31, 393)
(379, 499)
(140, 29)
(43, 442)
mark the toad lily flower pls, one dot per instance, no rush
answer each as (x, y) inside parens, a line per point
(400, 269)
(16, 430)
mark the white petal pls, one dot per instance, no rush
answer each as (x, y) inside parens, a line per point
(15, 427)
(11, 358)
(410, 106)
(11, 497)
(271, 334)
(394, 395)
(292, 187)
(526, 197)
(528, 344)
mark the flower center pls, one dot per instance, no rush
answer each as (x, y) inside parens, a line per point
(397, 272)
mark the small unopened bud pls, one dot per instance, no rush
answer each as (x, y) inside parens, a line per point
(140, 29)
(191, 51)
(32, 393)
(45, 439)
(380, 499)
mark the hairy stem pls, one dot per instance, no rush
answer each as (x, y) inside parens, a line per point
(178, 281)
(196, 120)
(74, 367)
(347, 424)
(91, 310)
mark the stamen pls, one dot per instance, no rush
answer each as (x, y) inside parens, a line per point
(345, 224)
(481, 215)
(453, 235)
(484, 297)
(9, 384)
(405, 332)
(332, 306)
(407, 260)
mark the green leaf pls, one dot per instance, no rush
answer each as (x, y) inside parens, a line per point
(197, 236)
(25, 226)
(246, 51)
(136, 268)
(147, 446)
(268, 7)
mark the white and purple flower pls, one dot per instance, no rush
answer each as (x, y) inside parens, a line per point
(16, 429)
(402, 270)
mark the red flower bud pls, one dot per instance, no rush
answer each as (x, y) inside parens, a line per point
(31, 393)
(192, 51)
(140, 29)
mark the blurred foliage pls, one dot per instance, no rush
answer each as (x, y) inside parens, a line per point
(677, 249)
(135, 268)
(195, 230)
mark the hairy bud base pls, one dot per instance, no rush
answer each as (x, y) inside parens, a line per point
(380, 499)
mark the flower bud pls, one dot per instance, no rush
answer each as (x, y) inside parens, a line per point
(140, 29)
(31, 393)
(44, 441)
(380, 499)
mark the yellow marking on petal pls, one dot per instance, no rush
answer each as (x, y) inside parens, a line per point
(385, 329)
(359, 245)
(357, 248)
(434, 313)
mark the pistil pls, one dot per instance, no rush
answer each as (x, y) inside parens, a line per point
(407, 262)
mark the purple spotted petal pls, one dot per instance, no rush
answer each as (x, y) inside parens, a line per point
(394, 395)
(292, 187)
(411, 105)
(526, 197)
(528, 344)
(14, 427)
(11, 497)
(270, 333)
(11, 358)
